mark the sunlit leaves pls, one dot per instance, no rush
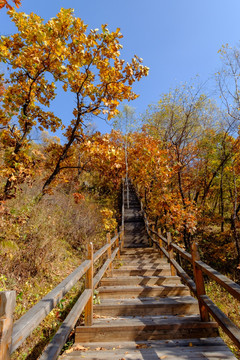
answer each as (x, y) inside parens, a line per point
(86, 63)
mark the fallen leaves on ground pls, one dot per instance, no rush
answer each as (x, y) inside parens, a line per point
(77, 348)
(142, 346)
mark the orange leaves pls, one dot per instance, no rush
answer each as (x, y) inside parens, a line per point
(150, 166)
(78, 197)
(8, 6)
(86, 63)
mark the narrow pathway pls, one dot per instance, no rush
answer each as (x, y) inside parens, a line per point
(134, 228)
(145, 313)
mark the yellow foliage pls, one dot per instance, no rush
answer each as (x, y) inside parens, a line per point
(109, 221)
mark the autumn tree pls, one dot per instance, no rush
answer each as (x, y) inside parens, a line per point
(86, 63)
(179, 120)
(28, 93)
(228, 82)
(97, 77)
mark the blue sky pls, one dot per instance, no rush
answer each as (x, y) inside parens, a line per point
(177, 39)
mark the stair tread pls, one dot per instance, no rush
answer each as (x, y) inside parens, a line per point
(205, 348)
(170, 300)
(189, 321)
(145, 267)
(167, 277)
(128, 289)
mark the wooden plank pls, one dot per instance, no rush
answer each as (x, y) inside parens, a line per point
(89, 285)
(145, 267)
(117, 244)
(170, 252)
(229, 285)
(160, 242)
(122, 292)
(54, 348)
(29, 321)
(185, 277)
(185, 305)
(100, 252)
(105, 248)
(211, 349)
(182, 252)
(164, 251)
(142, 272)
(114, 239)
(226, 324)
(151, 239)
(122, 204)
(145, 329)
(100, 274)
(97, 278)
(141, 280)
(144, 262)
(109, 253)
(160, 236)
(199, 281)
(7, 306)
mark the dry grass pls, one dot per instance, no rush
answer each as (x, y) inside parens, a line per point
(230, 306)
(40, 245)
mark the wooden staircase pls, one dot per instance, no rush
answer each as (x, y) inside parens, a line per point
(144, 312)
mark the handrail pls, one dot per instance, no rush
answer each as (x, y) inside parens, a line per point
(61, 336)
(24, 326)
(33, 317)
(197, 287)
(228, 284)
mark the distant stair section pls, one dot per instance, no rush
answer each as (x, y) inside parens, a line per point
(134, 228)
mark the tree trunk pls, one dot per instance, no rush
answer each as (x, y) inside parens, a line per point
(221, 201)
(234, 218)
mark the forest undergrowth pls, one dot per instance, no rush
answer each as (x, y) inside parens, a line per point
(41, 244)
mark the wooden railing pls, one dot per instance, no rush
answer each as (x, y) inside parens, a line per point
(197, 286)
(13, 335)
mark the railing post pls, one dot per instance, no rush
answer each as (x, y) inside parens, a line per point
(7, 306)
(153, 235)
(122, 238)
(89, 285)
(109, 252)
(123, 199)
(149, 233)
(199, 281)
(170, 252)
(117, 244)
(160, 242)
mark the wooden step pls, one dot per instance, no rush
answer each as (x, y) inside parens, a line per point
(128, 271)
(181, 305)
(140, 280)
(147, 256)
(150, 266)
(124, 292)
(191, 349)
(147, 328)
(144, 262)
(138, 251)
